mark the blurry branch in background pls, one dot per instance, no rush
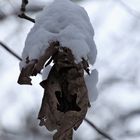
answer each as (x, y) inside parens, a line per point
(23, 10)
(129, 9)
(10, 51)
(98, 130)
(31, 9)
(89, 122)
(38, 7)
(129, 115)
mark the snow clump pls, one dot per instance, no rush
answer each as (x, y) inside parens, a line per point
(68, 23)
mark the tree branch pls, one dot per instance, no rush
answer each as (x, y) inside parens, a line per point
(31, 9)
(98, 130)
(23, 15)
(10, 51)
(23, 10)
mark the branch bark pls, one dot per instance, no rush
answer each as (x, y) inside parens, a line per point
(23, 10)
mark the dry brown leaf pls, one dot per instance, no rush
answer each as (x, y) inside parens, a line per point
(65, 100)
(34, 67)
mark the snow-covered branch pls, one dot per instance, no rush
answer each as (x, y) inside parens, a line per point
(23, 10)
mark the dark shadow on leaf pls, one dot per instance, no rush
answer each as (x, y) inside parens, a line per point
(65, 104)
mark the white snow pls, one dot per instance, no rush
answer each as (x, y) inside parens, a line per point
(45, 72)
(67, 23)
(91, 81)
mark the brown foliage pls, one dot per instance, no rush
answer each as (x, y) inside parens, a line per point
(65, 101)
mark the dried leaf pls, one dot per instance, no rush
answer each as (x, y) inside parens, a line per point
(65, 100)
(25, 74)
(49, 103)
(34, 67)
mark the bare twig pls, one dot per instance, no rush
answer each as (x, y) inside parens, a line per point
(98, 130)
(10, 51)
(15, 11)
(23, 10)
(23, 5)
(23, 15)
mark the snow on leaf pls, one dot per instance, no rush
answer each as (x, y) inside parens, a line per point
(62, 34)
(66, 22)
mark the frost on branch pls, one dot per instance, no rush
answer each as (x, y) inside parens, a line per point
(63, 35)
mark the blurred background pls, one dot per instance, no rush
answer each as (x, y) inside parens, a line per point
(117, 36)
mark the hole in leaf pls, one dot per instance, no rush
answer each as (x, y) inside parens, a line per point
(66, 103)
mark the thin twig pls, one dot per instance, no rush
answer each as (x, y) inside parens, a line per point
(98, 130)
(23, 5)
(15, 11)
(10, 51)
(23, 15)
(23, 10)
